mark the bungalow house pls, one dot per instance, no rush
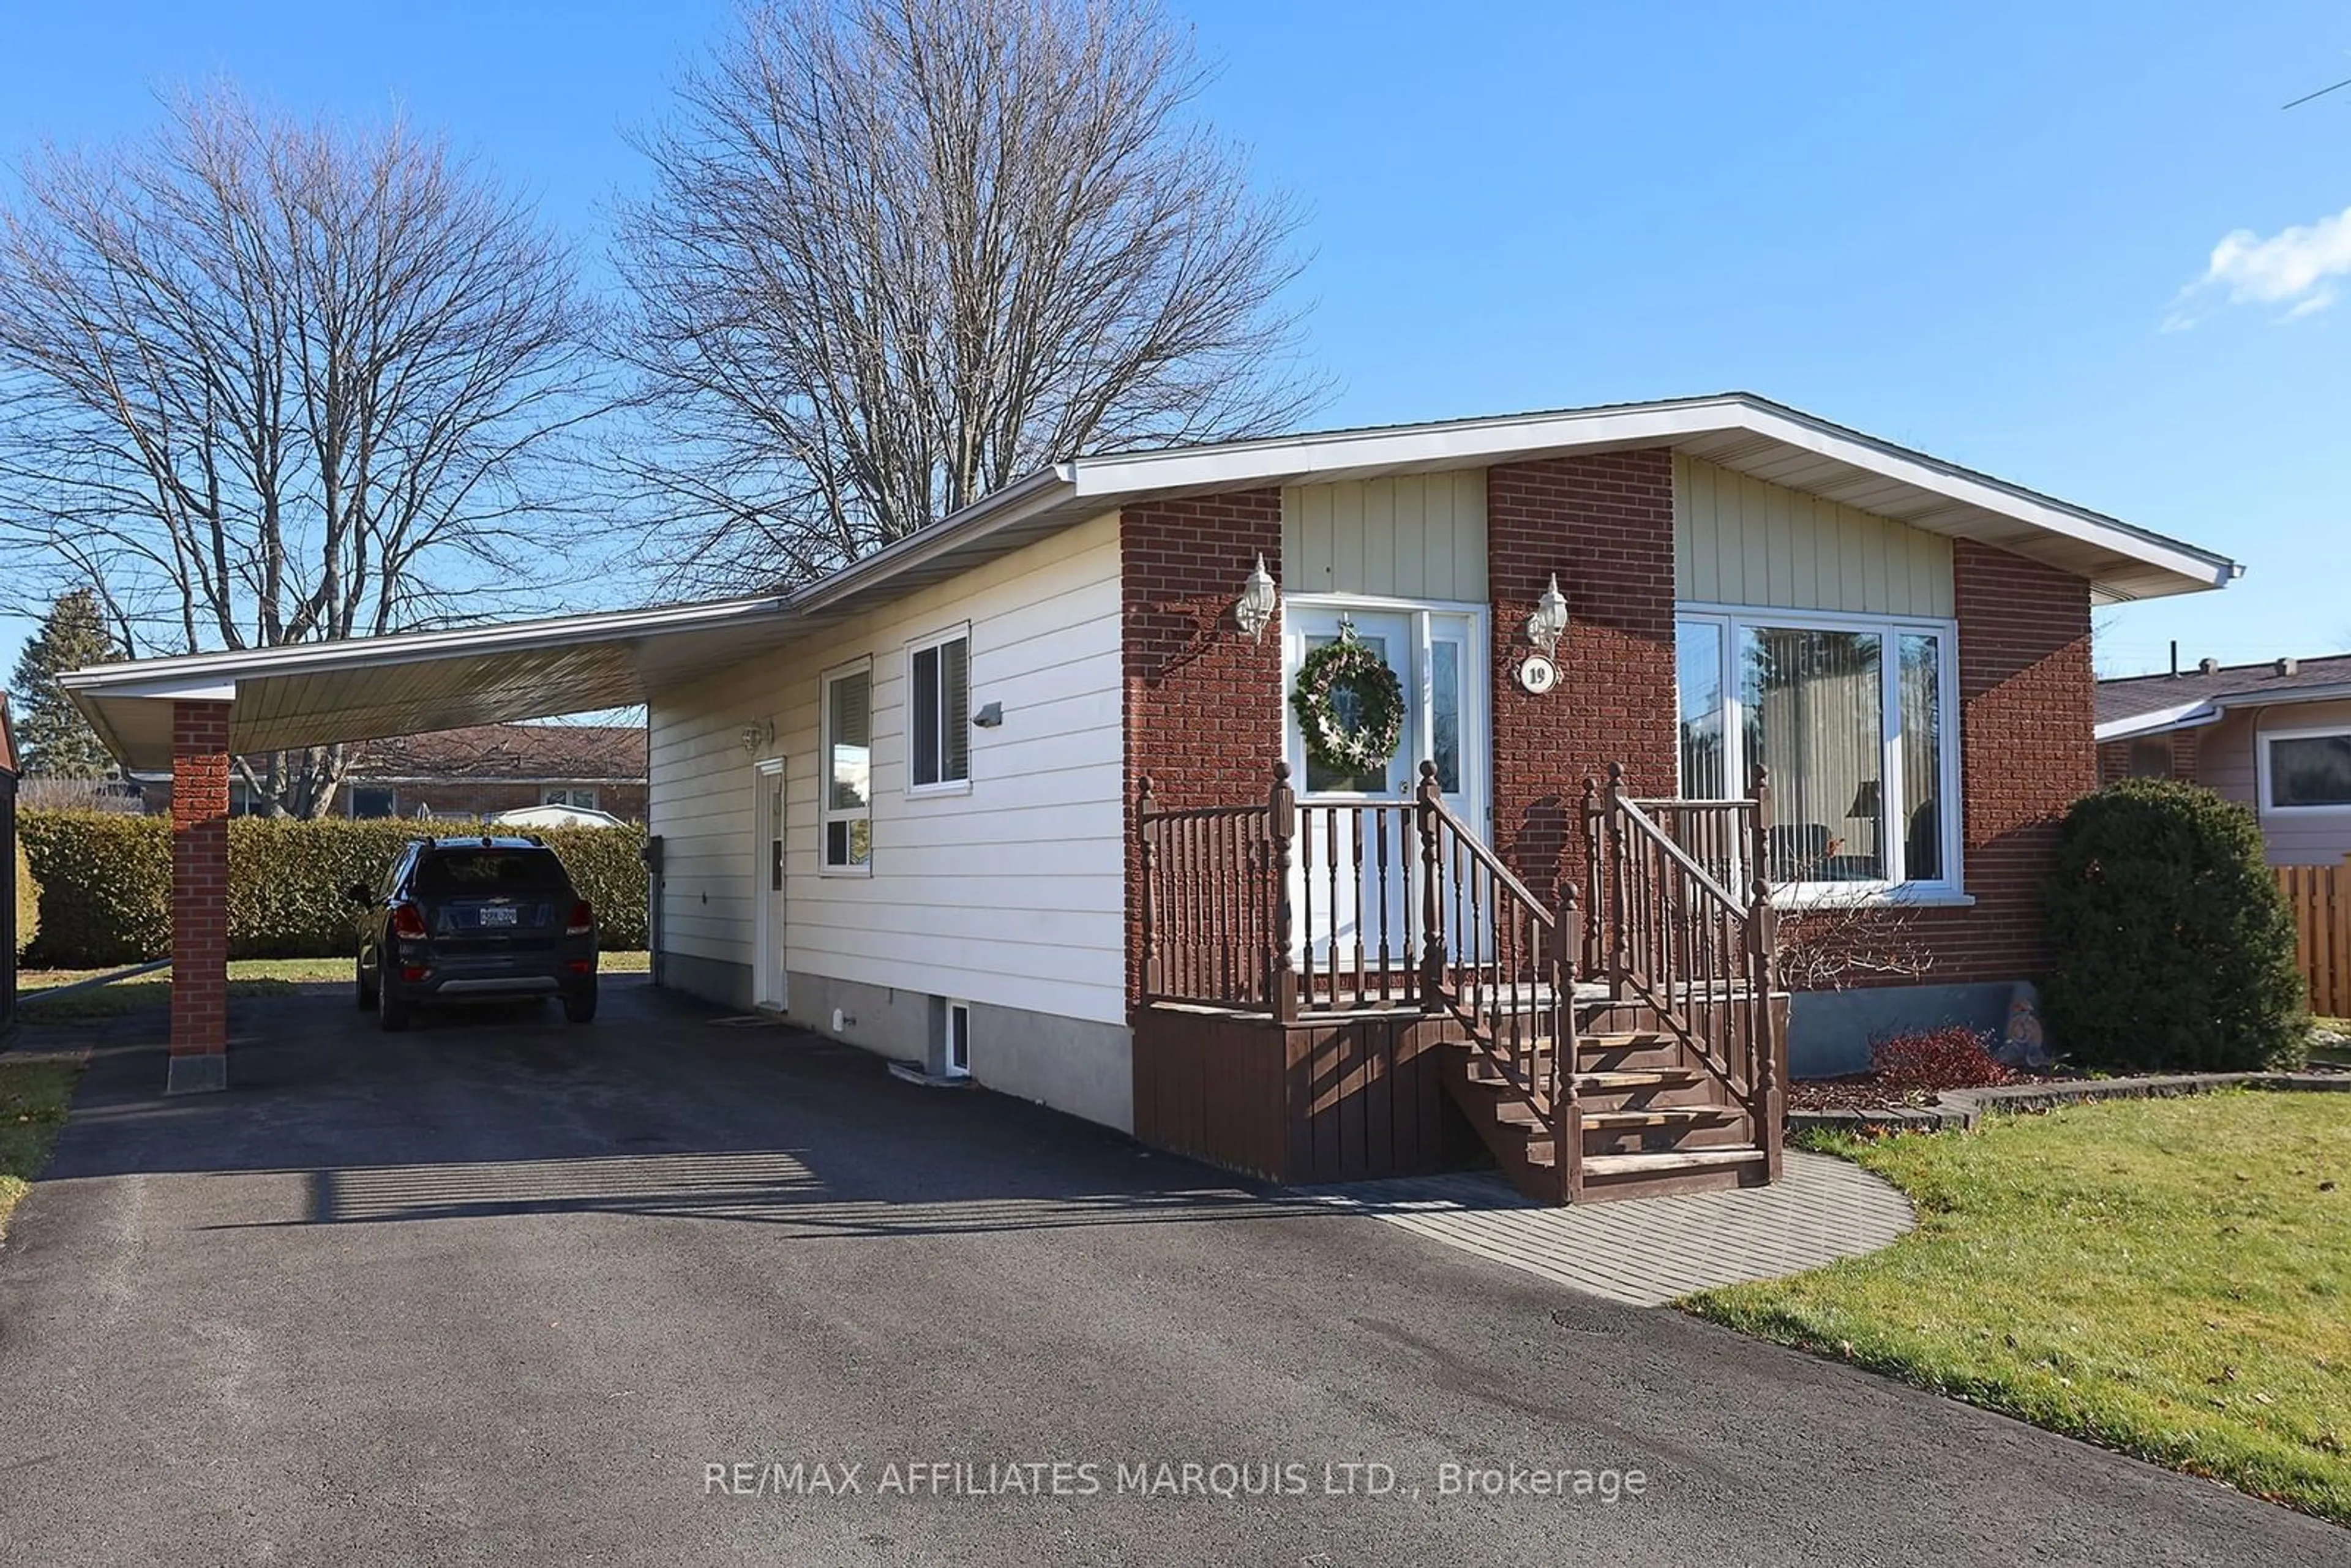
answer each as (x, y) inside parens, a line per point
(2276, 735)
(1334, 804)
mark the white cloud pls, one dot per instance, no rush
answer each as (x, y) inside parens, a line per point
(2296, 267)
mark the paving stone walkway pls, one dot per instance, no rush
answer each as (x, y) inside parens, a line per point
(1649, 1250)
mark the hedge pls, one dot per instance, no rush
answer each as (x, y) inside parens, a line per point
(29, 900)
(2176, 947)
(106, 883)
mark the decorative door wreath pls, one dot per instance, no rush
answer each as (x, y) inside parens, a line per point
(1350, 669)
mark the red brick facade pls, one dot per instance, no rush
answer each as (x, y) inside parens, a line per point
(2177, 749)
(2027, 699)
(1204, 703)
(199, 878)
(1203, 700)
(1605, 525)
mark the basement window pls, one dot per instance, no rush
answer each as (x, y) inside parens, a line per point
(957, 1055)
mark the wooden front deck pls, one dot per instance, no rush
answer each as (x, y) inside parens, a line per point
(1425, 1006)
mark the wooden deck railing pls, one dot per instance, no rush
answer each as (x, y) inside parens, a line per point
(1210, 881)
(1503, 963)
(1698, 952)
(1283, 908)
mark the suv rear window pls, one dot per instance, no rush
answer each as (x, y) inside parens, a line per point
(490, 872)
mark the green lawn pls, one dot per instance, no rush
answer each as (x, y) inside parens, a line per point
(2171, 1278)
(247, 977)
(34, 1094)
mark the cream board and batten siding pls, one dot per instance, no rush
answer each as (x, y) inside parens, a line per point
(1414, 535)
(2227, 760)
(1742, 542)
(1011, 894)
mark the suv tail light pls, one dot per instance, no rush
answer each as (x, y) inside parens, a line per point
(408, 923)
(582, 922)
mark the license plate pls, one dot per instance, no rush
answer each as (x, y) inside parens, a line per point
(497, 916)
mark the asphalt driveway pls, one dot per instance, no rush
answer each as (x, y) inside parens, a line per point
(509, 1292)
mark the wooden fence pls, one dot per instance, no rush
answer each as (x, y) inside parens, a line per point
(2321, 897)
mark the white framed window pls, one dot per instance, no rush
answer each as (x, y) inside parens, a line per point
(560, 795)
(846, 778)
(1855, 719)
(2305, 769)
(938, 713)
(957, 1057)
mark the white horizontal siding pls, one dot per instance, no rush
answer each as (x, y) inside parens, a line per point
(1740, 540)
(1012, 893)
(1416, 535)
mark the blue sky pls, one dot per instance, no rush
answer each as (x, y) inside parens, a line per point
(1978, 230)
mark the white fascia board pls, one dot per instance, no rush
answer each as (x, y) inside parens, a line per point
(1470, 442)
(213, 676)
(1039, 492)
(156, 685)
(2185, 716)
(1457, 443)
(2043, 512)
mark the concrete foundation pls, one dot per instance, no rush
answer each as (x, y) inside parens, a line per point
(1829, 1032)
(1084, 1068)
(196, 1073)
(713, 979)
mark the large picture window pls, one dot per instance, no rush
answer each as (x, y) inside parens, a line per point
(938, 723)
(848, 770)
(2306, 769)
(1850, 716)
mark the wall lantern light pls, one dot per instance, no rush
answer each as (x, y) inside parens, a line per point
(1549, 621)
(757, 735)
(1254, 609)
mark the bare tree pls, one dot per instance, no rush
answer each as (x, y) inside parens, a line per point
(267, 382)
(900, 252)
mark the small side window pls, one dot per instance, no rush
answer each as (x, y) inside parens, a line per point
(938, 721)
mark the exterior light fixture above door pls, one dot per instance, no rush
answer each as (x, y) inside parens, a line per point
(1549, 621)
(1254, 609)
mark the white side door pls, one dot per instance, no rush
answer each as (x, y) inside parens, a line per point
(770, 982)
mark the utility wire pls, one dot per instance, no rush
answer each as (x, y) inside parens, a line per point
(2322, 92)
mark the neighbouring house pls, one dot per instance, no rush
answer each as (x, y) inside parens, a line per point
(1336, 804)
(2276, 735)
(472, 771)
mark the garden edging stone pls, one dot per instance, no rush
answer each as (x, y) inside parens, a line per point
(1957, 1109)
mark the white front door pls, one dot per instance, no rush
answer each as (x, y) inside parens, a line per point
(1438, 654)
(769, 983)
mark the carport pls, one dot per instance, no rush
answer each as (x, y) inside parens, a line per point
(193, 714)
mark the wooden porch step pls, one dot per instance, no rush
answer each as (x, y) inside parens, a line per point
(1660, 1116)
(1668, 1162)
(1486, 1073)
(1621, 1039)
(1644, 1078)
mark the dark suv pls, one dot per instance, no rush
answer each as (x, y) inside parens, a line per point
(458, 919)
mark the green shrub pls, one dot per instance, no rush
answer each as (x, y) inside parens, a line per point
(2175, 946)
(107, 883)
(105, 887)
(28, 899)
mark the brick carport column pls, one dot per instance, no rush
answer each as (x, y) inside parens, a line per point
(199, 1058)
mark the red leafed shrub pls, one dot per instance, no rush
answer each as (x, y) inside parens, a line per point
(1952, 1057)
